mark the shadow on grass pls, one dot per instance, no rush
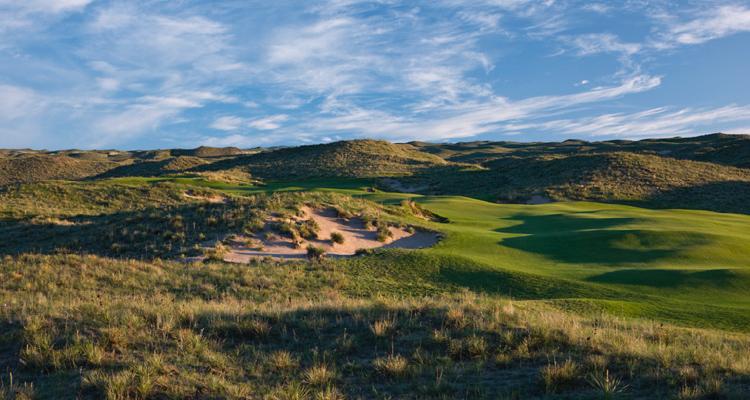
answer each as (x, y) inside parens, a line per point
(584, 240)
(729, 196)
(667, 278)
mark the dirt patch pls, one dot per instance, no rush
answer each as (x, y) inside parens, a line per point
(354, 232)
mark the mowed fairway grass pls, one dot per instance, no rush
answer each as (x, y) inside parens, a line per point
(682, 266)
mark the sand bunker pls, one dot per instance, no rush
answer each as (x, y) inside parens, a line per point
(356, 236)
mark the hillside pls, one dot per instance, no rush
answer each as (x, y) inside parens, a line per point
(208, 152)
(732, 150)
(169, 165)
(621, 177)
(355, 158)
(40, 167)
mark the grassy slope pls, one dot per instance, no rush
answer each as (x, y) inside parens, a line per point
(95, 327)
(40, 167)
(91, 328)
(732, 150)
(649, 180)
(355, 159)
(677, 265)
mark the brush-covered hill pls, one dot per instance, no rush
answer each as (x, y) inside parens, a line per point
(733, 150)
(625, 177)
(164, 166)
(208, 152)
(40, 167)
(355, 158)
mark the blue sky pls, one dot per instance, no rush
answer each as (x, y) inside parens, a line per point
(156, 74)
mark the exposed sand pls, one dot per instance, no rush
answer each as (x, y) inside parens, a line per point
(356, 236)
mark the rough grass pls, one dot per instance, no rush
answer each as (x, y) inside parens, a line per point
(90, 327)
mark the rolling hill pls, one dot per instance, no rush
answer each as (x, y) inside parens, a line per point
(732, 150)
(617, 177)
(41, 167)
(354, 159)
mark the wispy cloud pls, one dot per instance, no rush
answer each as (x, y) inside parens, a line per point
(594, 43)
(708, 25)
(649, 123)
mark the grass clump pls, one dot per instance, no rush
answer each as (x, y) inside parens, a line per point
(384, 232)
(319, 375)
(394, 366)
(315, 253)
(557, 377)
(337, 238)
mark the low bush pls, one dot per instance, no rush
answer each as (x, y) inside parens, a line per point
(315, 253)
(337, 237)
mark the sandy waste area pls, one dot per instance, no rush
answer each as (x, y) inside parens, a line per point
(356, 236)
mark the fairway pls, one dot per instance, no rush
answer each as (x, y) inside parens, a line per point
(682, 266)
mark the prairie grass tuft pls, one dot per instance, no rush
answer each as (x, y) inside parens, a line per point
(557, 377)
(383, 327)
(319, 375)
(282, 360)
(393, 366)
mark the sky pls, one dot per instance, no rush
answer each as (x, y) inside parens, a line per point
(180, 73)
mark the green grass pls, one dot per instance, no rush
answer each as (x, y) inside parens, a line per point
(683, 266)
(515, 301)
(680, 266)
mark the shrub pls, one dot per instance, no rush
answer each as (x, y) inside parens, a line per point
(337, 237)
(364, 252)
(342, 213)
(286, 228)
(254, 225)
(384, 233)
(315, 252)
(217, 253)
(309, 229)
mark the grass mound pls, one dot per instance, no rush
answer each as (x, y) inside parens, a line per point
(356, 158)
(40, 167)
